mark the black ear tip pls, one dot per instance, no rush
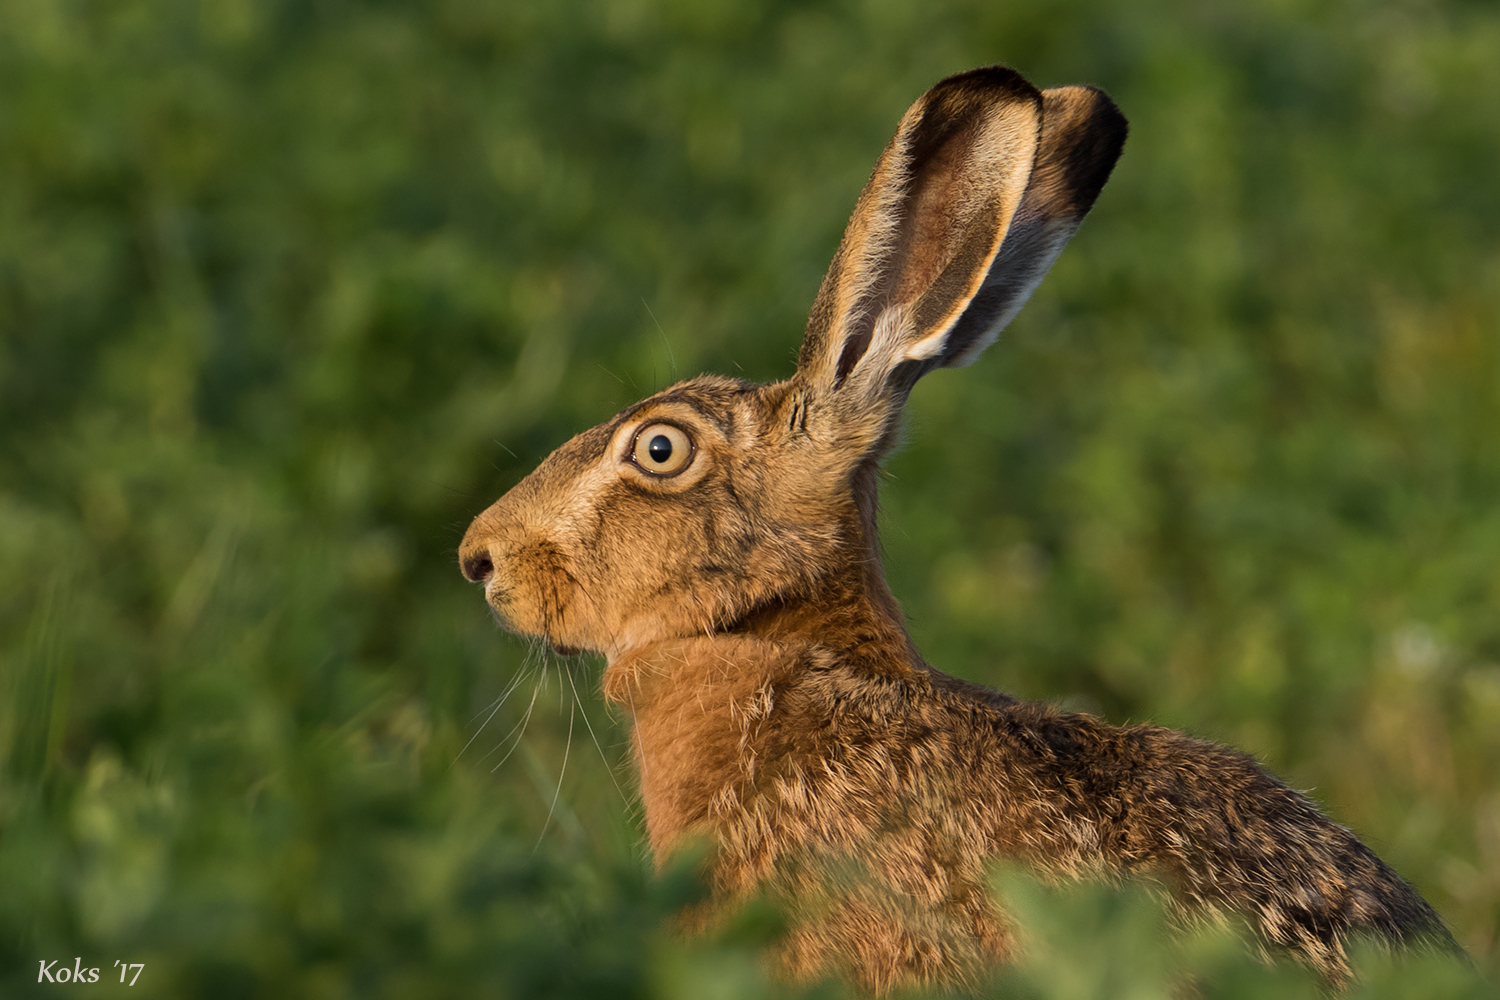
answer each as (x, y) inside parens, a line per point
(1085, 134)
(1109, 120)
(990, 81)
(1105, 139)
(1091, 108)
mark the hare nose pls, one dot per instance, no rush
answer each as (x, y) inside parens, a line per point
(476, 566)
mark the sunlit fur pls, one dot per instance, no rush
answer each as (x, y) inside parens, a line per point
(778, 708)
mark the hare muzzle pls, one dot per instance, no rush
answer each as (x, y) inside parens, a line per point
(525, 549)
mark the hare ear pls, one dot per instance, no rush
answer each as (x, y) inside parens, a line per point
(1082, 135)
(983, 184)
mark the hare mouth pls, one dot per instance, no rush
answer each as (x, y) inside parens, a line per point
(562, 650)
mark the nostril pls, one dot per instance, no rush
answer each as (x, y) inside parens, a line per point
(477, 567)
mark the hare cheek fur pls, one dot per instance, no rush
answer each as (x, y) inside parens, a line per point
(778, 706)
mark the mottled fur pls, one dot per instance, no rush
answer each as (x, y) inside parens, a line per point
(778, 706)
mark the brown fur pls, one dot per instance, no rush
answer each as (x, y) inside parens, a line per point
(779, 708)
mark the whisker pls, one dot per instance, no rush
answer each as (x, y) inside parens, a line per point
(521, 726)
(615, 645)
(597, 745)
(515, 682)
(493, 708)
(635, 738)
(671, 357)
(614, 641)
(567, 747)
(609, 373)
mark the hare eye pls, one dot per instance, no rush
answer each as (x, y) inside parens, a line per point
(662, 449)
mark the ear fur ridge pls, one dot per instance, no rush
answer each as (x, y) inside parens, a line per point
(891, 329)
(1082, 135)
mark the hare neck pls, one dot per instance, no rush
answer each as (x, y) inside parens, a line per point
(845, 619)
(852, 613)
(849, 611)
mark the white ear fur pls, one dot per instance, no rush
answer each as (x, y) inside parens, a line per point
(929, 346)
(891, 330)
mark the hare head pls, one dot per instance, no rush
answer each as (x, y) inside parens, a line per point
(719, 506)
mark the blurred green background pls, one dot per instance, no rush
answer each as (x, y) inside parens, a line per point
(289, 291)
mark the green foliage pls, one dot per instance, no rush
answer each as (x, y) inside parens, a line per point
(1101, 943)
(289, 291)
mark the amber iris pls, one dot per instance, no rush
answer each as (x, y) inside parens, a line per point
(662, 449)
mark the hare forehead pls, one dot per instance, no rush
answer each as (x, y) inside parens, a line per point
(578, 490)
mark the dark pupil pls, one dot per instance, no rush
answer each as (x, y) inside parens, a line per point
(660, 449)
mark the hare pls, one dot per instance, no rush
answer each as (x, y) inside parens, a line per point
(716, 542)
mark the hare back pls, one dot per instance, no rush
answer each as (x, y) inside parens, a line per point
(872, 803)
